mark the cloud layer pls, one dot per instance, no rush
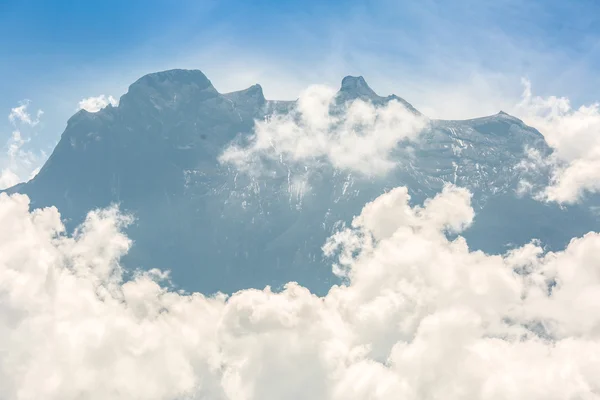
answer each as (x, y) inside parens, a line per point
(358, 137)
(421, 317)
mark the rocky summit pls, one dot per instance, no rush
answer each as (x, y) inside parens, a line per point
(157, 155)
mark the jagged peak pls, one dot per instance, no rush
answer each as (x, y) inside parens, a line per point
(356, 85)
(254, 94)
(255, 89)
(499, 115)
(502, 114)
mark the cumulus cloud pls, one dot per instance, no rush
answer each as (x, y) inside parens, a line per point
(94, 104)
(421, 316)
(357, 137)
(574, 135)
(20, 115)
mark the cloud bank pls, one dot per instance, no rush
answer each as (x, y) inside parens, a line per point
(95, 104)
(421, 317)
(357, 137)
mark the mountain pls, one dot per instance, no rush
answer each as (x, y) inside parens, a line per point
(156, 154)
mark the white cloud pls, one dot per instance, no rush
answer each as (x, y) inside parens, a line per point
(8, 178)
(421, 317)
(574, 134)
(18, 164)
(94, 104)
(360, 139)
(20, 115)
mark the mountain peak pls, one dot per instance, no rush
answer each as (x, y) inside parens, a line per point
(255, 89)
(353, 81)
(167, 86)
(174, 76)
(356, 85)
(252, 95)
(506, 115)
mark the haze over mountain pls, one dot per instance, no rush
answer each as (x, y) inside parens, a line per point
(159, 155)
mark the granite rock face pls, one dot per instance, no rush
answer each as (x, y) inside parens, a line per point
(156, 154)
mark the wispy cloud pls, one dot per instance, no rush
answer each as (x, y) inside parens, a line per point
(20, 115)
(18, 163)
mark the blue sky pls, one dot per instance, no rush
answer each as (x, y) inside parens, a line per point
(450, 59)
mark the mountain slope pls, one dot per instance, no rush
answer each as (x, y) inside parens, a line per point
(156, 154)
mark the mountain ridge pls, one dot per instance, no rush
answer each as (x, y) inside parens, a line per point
(356, 86)
(156, 154)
